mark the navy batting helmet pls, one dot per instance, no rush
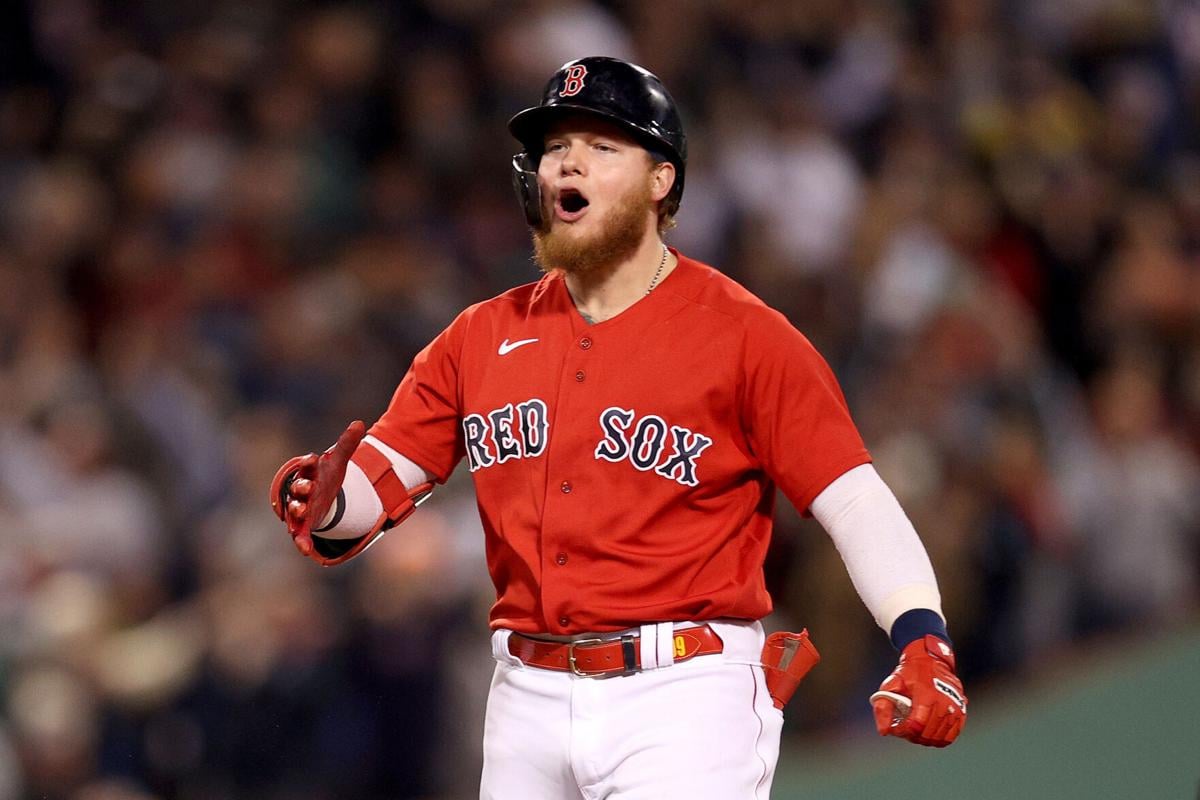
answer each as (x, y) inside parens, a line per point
(611, 89)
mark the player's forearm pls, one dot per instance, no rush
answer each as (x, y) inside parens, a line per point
(883, 554)
(358, 506)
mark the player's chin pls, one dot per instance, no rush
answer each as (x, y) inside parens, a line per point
(571, 234)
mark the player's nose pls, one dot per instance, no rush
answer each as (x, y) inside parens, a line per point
(572, 162)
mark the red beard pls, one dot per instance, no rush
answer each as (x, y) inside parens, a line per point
(620, 234)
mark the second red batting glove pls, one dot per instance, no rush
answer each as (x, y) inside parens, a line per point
(937, 707)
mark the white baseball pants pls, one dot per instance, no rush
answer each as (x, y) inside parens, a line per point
(702, 729)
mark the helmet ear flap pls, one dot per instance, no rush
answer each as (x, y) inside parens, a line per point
(525, 184)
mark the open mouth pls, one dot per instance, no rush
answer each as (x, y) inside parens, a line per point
(571, 205)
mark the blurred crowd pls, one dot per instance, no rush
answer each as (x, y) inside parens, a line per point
(227, 227)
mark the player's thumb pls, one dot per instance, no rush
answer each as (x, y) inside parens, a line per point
(885, 711)
(347, 443)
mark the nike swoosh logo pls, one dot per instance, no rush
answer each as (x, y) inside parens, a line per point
(506, 347)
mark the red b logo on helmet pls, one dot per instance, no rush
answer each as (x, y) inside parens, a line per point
(573, 82)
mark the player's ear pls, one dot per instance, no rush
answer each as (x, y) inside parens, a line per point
(662, 178)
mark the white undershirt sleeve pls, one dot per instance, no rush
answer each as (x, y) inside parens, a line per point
(361, 505)
(886, 560)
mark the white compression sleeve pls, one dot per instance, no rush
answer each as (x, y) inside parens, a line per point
(361, 506)
(887, 563)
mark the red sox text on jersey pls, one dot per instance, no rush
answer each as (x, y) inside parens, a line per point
(520, 432)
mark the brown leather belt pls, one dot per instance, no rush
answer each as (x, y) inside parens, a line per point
(595, 657)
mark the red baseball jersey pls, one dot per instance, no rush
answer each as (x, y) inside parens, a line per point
(625, 471)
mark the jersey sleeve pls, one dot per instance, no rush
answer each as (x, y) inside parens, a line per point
(794, 412)
(422, 419)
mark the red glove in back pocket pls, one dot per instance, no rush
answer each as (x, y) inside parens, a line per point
(787, 658)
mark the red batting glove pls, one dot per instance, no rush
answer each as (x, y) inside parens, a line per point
(937, 707)
(306, 486)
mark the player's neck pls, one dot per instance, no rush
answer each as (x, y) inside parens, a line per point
(602, 294)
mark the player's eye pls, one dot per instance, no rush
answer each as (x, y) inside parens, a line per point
(556, 147)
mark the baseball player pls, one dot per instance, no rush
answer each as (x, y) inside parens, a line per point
(626, 419)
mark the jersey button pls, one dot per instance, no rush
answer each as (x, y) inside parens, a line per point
(585, 343)
(563, 621)
(560, 559)
(566, 487)
(579, 376)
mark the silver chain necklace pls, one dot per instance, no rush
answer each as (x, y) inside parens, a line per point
(662, 262)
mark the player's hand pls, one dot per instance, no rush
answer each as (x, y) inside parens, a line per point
(306, 486)
(937, 706)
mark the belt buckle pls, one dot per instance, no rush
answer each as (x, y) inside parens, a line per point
(571, 656)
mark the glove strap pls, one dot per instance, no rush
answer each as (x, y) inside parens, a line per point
(930, 646)
(397, 501)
